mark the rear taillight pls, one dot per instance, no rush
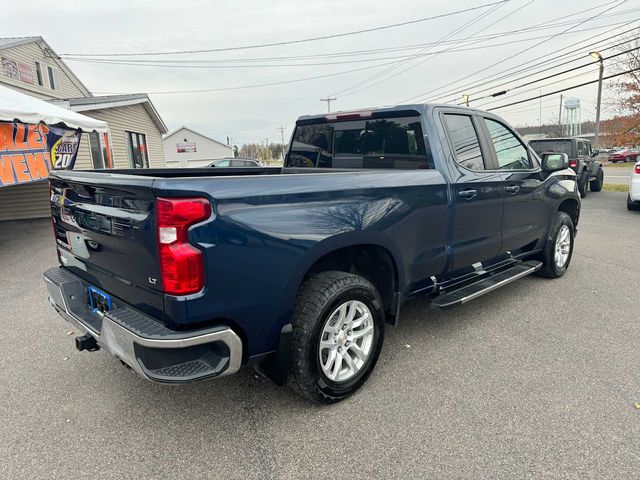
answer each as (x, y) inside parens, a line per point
(637, 169)
(573, 163)
(181, 264)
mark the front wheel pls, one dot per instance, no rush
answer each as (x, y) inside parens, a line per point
(557, 252)
(338, 329)
(596, 184)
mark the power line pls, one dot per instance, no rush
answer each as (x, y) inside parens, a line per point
(542, 26)
(564, 89)
(589, 64)
(353, 88)
(465, 78)
(289, 42)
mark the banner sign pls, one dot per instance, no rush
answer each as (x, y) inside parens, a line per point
(28, 152)
(187, 147)
(17, 70)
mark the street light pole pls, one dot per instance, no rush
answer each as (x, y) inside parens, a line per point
(600, 59)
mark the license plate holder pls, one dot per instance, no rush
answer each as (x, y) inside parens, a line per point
(99, 301)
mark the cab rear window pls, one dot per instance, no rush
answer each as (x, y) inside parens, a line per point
(373, 143)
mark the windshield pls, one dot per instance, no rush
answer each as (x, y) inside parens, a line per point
(558, 146)
(372, 143)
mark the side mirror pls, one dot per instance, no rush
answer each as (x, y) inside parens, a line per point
(595, 153)
(552, 162)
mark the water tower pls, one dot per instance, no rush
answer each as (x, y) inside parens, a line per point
(572, 125)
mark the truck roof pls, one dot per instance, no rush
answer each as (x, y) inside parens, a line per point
(418, 108)
(554, 139)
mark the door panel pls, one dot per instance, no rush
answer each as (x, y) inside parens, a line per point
(524, 218)
(478, 220)
(478, 195)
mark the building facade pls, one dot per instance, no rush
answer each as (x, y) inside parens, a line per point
(186, 148)
(30, 66)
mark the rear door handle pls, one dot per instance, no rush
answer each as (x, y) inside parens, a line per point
(512, 189)
(467, 194)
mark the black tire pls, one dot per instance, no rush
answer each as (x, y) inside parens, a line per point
(631, 205)
(550, 269)
(583, 184)
(627, 159)
(318, 298)
(596, 184)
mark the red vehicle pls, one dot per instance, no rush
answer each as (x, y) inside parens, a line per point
(624, 155)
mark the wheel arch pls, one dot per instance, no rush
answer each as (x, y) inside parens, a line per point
(571, 207)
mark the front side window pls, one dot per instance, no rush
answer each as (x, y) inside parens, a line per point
(137, 149)
(464, 140)
(396, 143)
(511, 153)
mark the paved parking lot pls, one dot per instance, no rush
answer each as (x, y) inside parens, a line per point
(536, 380)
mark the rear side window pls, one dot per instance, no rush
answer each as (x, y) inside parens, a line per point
(396, 143)
(557, 146)
(464, 140)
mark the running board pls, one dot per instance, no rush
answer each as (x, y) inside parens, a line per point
(486, 285)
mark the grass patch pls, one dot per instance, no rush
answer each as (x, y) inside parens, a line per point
(614, 187)
(619, 165)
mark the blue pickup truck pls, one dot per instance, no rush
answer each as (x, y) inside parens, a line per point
(186, 275)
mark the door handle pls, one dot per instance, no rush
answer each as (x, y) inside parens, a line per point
(512, 189)
(467, 194)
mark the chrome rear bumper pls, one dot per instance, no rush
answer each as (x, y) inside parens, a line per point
(148, 347)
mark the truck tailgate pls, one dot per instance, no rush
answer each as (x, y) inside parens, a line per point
(105, 232)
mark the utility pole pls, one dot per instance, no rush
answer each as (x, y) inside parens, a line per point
(600, 59)
(328, 100)
(560, 116)
(540, 119)
(282, 135)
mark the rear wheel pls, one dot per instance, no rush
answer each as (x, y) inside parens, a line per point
(338, 329)
(596, 184)
(557, 252)
(627, 159)
(583, 184)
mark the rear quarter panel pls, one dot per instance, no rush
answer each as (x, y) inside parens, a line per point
(266, 233)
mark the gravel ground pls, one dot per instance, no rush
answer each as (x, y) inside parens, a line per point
(536, 380)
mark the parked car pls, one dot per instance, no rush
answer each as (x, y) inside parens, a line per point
(624, 155)
(185, 276)
(236, 162)
(581, 160)
(633, 197)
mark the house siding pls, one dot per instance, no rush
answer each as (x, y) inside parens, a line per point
(28, 53)
(130, 118)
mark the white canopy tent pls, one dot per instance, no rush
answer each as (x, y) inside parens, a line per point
(16, 106)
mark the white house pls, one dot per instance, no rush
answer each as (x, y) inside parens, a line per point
(186, 148)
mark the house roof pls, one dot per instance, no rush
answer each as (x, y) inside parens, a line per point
(197, 133)
(80, 104)
(11, 42)
(16, 41)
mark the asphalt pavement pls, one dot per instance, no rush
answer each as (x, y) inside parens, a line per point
(536, 380)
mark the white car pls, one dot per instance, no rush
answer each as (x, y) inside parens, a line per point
(633, 200)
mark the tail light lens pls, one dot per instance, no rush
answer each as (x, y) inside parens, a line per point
(181, 264)
(573, 163)
(637, 169)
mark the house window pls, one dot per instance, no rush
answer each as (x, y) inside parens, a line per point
(100, 157)
(53, 78)
(137, 148)
(39, 74)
